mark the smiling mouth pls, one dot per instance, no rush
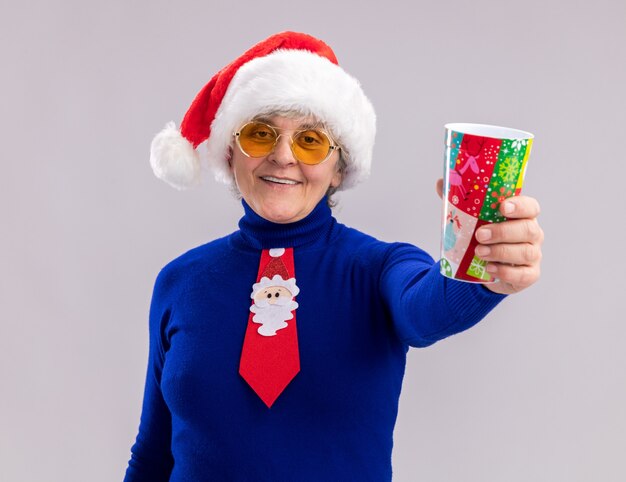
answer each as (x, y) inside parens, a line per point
(277, 180)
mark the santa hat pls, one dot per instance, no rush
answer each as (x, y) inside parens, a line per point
(288, 71)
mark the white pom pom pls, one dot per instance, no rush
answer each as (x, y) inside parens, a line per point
(173, 158)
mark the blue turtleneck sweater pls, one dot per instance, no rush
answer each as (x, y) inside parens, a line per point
(362, 303)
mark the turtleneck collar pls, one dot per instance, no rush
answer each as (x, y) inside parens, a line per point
(260, 233)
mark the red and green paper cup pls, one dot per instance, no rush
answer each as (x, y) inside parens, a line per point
(484, 165)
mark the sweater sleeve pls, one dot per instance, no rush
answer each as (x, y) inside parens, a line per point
(151, 459)
(425, 306)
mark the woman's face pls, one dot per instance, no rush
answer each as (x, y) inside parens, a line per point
(302, 186)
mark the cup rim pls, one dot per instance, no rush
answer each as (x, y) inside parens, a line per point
(487, 130)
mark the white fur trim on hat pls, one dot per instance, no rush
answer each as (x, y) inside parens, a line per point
(303, 81)
(173, 158)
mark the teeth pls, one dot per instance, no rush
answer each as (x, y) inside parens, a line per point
(280, 181)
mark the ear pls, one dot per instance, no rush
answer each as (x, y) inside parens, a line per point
(335, 182)
(229, 158)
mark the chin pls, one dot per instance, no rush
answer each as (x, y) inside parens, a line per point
(281, 216)
(281, 212)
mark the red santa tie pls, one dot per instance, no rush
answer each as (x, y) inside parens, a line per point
(270, 357)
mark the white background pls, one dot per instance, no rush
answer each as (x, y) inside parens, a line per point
(535, 392)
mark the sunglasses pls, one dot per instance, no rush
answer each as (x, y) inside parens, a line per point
(308, 146)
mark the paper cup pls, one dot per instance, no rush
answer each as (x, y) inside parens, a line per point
(484, 165)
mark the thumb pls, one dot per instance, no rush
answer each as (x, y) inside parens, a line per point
(439, 187)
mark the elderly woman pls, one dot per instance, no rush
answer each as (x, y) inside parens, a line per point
(277, 352)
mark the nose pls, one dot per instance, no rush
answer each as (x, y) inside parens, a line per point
(282, 155)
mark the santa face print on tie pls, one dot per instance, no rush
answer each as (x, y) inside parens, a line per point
(273, 303)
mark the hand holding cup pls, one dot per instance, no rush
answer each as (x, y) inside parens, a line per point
(512, 248)
(490, 234)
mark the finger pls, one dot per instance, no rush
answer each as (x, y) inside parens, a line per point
(519, 276)
(520, 207)
(513, 231)
(439, 187)
(519, 254)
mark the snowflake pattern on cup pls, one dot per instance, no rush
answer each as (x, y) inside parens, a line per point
(509, 169)
(504, 179)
